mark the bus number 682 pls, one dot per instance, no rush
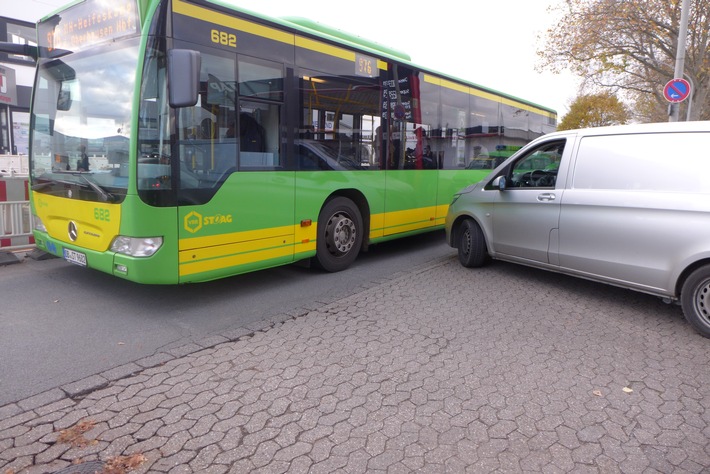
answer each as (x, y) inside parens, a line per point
(224, 38)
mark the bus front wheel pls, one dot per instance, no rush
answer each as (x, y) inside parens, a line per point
(339, 235)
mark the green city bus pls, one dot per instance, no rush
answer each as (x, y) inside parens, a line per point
(177, 141)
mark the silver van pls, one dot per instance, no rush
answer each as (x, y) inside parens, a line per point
(626, 205)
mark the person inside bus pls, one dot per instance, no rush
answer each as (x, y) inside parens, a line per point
(231, 130)
(251, 133)
(83, 163)
(207, 129)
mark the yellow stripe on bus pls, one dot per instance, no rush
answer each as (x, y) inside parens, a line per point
(234, 248)
(245, 236)
(409, 220)
(330, 50)
(215, 252)
(184, 8)
(232, 260)
(194, 11)
(485, 95)
(202, 254)
(377, 226)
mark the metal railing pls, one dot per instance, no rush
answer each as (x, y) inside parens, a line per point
(15, 225)
(15, 217)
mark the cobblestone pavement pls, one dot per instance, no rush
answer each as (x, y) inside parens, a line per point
(443, 369)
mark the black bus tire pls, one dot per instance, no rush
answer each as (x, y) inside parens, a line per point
(340, 236)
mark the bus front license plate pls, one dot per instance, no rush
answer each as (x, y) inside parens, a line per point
(77, 258)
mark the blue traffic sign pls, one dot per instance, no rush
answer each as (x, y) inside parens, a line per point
(676, 90)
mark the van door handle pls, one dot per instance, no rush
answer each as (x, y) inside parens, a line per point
(546, 197)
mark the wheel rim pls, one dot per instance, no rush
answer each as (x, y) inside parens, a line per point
(340, 234)
(466, 242)
(701, 301)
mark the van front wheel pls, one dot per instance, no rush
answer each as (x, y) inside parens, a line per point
(471, 244)
(695, 300)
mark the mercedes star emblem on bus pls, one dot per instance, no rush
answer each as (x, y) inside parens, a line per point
(73, 233)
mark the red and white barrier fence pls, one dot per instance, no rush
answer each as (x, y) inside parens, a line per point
(15, 215)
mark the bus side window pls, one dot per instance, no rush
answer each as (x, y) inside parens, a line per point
(259, 137)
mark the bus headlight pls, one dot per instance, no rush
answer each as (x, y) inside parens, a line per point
(38, 224)
(136, 247)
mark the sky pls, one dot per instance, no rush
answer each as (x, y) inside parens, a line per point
(493, 44)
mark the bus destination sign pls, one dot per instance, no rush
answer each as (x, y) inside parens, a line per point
(88, 23)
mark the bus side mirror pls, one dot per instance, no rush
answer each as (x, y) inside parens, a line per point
(183, 77)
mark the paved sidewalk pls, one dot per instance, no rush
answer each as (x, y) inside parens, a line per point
(501, 369)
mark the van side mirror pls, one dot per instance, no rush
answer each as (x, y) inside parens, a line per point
(183, 77)
(501, 183)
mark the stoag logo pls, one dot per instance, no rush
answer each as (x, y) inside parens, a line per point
(193, 222)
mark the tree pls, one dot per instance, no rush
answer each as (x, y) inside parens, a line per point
(595, 110)
(629, 47)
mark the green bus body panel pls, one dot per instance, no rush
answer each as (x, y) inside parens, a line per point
(147, 221)
(254, 220)
(247, 225)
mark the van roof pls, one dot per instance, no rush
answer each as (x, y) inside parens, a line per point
(659, 127)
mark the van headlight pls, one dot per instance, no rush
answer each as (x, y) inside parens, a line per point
(136, 247)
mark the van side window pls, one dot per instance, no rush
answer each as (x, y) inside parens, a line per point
(664, 162)
(537, 168)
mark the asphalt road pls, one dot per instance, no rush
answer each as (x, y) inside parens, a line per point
(60, 323)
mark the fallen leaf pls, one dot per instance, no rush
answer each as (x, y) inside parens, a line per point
(627, 389)
(598, 393)
(123, 464)
(121, 343)
(75, 434)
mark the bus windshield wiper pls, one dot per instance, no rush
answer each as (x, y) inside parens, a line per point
(105, 195)
(48, 182)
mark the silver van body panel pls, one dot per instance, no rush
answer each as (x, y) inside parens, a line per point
(630, 206)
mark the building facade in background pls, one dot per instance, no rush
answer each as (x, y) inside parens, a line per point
(16, 73)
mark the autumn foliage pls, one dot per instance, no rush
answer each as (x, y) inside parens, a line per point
(629, 48)
(595, 110)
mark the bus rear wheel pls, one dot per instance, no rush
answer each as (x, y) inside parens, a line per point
(339, 235)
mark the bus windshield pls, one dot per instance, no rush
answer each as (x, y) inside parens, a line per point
(81, 120)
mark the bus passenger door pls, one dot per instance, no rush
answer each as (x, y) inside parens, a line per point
(236, 200)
